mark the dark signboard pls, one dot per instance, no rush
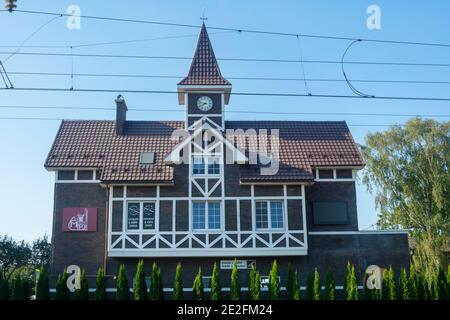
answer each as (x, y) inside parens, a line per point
(133, 216)
(149, 216)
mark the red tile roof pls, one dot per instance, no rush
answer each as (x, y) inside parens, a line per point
(95, 144)
(204, 69)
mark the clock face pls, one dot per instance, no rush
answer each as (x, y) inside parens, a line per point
(204, 103)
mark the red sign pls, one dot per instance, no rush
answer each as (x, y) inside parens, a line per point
(79, 219)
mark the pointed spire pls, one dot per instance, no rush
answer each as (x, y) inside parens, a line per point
(204, 69)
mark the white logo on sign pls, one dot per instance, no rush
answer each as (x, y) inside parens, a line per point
(374, 277)
(79, 222)
(73, 281)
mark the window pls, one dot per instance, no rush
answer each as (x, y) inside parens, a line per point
(207, 165)
(141, 216)
(269, 213)
(327, 213)
(66, 175)
(147, 158)
(334, 174)
(206, 215)
(198, 166)
(326, 174)
(344, 174)
(85, 175)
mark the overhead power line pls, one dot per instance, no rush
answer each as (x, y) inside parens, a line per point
(243, 111)
(116, 56)
(230, 78)
(240, 30)
(264, 94)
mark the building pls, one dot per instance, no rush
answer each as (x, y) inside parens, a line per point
(207, 190)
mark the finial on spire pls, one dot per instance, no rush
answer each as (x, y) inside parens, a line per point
(204, 17)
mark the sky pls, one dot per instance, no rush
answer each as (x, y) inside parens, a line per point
(26, 189)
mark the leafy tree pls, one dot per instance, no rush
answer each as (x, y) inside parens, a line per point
(235, 288)
(413, 283)
(42, 286)
(100, 285)
(296, 288)
(4, 287)
(123, 288)
(254, 286)
(274, 282)
(156, 286)
(197, 287)
(330, 286)
(25, 287)
(290, 282)
(351, 283)
(40, 253)
(178, 283)
(215, 284)
(442, 291)
(13, 255)
(388, 289)
(407, 166)
(83, 292)
(62, 292)
(403, 286)
(140, 286)
(17, 288)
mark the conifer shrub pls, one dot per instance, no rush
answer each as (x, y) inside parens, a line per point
(42, 285)
(178, 283)
(123, 288)
(100, 285)
(215, 284)
(330, 287)
(197, 287)
(235, 288)
(274, 282)
(140, 286)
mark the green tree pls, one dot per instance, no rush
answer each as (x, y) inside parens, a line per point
(388, 289)
(297, 289)
(4, 287)
(178, 283)
(274, 282)
(62, 292)
(254, 286)
(83, 292)
(313, 290)
(433, 285)
(40, 253)
(290, 282)
(351, 283)
(422, 287)
(17, 288)
(140, 286)
(215, 284)
(100, 285)
(413, 283)
(156, 286)
(42, 286)
(330, 287)
(448, 282)
(403, 286)
(197, 287)
(123, 288)
(407, 167)
(13, 255)
(235, 288)
(25, 286)
(442, 293)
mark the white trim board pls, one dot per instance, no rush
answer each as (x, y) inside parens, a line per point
(332, 233)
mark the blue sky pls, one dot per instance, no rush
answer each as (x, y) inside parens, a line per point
(26, 191)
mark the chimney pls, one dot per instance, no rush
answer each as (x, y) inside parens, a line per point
(121, 115)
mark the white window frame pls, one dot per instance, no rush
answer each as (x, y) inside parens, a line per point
(269, 215)
(207, 228)
(206, 160)
(141, 217)
(75, 177)
(335, 178)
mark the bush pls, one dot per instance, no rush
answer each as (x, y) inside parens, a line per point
(254, 286)
(83, 292)
(140, 286)
(25, 287)
(296, 290)
(442, 291)
(215, 284)
(235, 288)
(274, 282)
(123, 289)
(351, 283)
(42, 286)
(388, 289)
(423, 292)
(313, 287)
(178, 283)
(4, 287)
(156, 286)
(413, 283)
(290, 283)
(330, 287)
(197, 287)
(62, 292)
(403, 286)
(17, 288)
(100, 285)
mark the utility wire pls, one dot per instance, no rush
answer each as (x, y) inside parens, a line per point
(230, 78)
(232, 111)
(268, 94)
(240, 30)
(389, 63)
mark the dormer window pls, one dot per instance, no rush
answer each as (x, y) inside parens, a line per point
(147, 158)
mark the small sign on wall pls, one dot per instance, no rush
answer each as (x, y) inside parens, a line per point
(240, 264)
(79, 220)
